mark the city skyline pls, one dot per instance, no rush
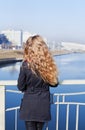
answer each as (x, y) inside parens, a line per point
(58, 20)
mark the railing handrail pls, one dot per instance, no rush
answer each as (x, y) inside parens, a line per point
(63, 82)
(13, 91)
(12, 108)
(55, 94)
(8, 82)
(72, 81)
(70, 103)
(68, 94)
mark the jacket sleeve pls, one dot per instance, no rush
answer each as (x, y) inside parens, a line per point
(22, 80)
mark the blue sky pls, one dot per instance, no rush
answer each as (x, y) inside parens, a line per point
(59, 20)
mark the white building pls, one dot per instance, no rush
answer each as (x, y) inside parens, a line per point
(13, 36)
(26, 35)
(73, 46)
(16, 37)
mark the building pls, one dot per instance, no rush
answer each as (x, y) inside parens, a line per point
(26, 35)
(73, 46)
(16, 37)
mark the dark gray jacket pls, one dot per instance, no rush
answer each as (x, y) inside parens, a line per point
(35, 105)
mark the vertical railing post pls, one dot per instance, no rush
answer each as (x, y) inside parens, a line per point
(63, 98)
(2, 108)
(57, 113)
(47, 126)
(67, 117)
(15, 119)
(77, 116)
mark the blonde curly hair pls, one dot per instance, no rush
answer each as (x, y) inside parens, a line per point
(39, 57)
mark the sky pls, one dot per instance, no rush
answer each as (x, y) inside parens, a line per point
(57, 20)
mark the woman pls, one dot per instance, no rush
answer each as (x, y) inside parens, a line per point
(37, 73)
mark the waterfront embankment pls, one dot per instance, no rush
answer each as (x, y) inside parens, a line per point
(9, 60)
(11, 56)
(8, 54)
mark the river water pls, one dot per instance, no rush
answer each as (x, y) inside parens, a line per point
(71, 66)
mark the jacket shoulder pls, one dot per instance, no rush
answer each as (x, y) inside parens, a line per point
(25, 65)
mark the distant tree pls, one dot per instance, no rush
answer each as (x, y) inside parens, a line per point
(3, 39)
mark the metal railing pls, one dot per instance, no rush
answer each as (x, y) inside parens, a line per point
(68, 104)
(3, 84)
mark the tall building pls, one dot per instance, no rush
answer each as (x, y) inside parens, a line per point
(26, 35)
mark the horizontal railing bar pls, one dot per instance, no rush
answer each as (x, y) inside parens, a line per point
(62, 103)
(55, 94)
(8, 82)
(13, 91)
(63, 82)
(12, 108)
(70, 103)
(70, 82)
(68, 94)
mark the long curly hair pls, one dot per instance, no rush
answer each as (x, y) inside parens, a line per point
(40, 59)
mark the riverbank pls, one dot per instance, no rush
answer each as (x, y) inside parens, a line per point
(11, 56)
(18, 54)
